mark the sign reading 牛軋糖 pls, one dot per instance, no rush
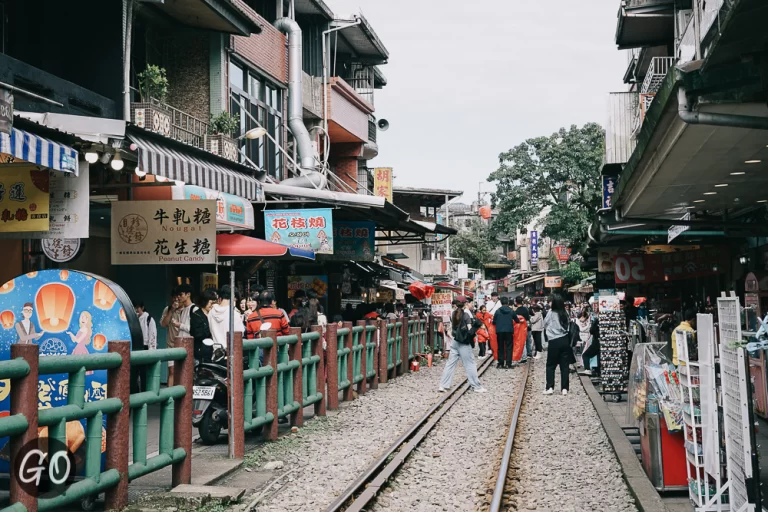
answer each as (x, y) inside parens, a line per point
(159, 232)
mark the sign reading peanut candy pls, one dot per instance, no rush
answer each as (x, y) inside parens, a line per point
(161, 232)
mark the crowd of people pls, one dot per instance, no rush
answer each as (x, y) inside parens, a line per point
(513, 331)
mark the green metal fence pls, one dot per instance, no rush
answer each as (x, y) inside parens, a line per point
(370, 351)
(255, 376)
(310, 362)
(392, 347)
(438, 338)
(422, 338)
(286, 372)
(16, 424)
(343, 356)
(412, 341)
(357, 354)
(399, 342)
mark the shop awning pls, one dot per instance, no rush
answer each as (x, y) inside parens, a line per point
(162, 160)
(529, 281)
(21, 146)
(241, 246)
(232, 212)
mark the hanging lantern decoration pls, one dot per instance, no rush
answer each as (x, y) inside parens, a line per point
(103, 297)
(485, 212)
(31, 274)
(55, 303)
(122, 315)
(99, 342)
(7, 318)
(7, 287)
(64, 275)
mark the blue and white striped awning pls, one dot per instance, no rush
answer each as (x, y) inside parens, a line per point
(21, 146)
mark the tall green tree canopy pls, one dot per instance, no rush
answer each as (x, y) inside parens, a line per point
(562, 172)
(474, 245)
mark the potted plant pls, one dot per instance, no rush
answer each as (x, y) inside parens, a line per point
(150, 113)
(221, 130)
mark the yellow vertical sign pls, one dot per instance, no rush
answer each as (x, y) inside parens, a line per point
(24, 200)
(382, 182)
(209, 281)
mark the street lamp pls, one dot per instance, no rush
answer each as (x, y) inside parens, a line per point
(254, 133)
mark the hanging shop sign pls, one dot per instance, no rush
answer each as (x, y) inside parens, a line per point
(232, 212)
(553, 281)
(61, 250)
(353, 241)
(609, 188)
(6, 111)
(605, 259)
(209, 281)
(609, 304)
(439, 219)
(319, 284)
(675, 231)
(657, 268)
(382, 182)
(385, 295)
(24, 199)
(534, 238)
(562, 253)
(161, 232)
(441, 304)
(304, 229)
(64, 312)
(399, 294)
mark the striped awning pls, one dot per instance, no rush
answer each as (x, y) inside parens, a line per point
(161, 160)
(21, 146)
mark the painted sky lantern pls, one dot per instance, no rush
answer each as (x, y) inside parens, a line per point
(64, 312)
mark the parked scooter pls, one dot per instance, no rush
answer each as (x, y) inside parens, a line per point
(210, 393)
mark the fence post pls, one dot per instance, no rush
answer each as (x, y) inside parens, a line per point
(270, 357)
(332, 365)
(430, 333)
(297, 418)
(237, 390)
(119, 386)
(383, 350)
(320, 373)
(375, 335)
(363, 384)
(348, 396)
(24, 401)
(183, 375)
(404, 368)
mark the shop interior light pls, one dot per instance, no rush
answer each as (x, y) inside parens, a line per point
(763, 201)
(141, 174)
(743, 260)
(739, 173)
(721, 185)
(752, 161)
(699, 201)
(710, 193)
(91, 157)
(117, 162)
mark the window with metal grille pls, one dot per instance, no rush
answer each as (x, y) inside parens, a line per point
(362, 177)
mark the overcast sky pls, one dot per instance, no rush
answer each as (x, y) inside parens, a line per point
(470, 79)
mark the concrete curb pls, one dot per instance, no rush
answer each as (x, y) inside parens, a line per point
(647, 498)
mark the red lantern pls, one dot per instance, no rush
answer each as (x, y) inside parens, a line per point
(485, 212)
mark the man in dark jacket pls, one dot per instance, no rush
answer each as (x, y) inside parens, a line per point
(504, 320)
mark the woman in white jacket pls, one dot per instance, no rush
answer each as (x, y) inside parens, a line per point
(218, 318)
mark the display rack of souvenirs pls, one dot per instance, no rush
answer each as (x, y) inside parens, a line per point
(654, 387)
(614, 357)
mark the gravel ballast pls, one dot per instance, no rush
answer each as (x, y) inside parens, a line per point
(562, 460)
(328, 454)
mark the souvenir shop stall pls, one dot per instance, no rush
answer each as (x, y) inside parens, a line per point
(696, 423)
(614, 354)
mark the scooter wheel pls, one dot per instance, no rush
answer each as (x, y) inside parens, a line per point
(209, 428)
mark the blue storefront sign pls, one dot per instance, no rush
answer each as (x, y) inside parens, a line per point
(534, 247)
(232, 212)
(609, 188)
(303, 229)
(353, 240)
(63, 312)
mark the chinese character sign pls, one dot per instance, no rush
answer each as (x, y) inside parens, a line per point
(382, 182)
(304, 229)
(441, 305)
(24, 200)
(232, 212)
(534, 247)
(609, 188)
(674, 266)
(159, 232)
(354, 240)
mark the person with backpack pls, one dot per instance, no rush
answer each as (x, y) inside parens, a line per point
(267, 312)
(558, 335)
(149, 338)
(463, 326)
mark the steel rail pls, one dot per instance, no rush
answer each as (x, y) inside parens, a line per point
(368, 484)
(501, 479)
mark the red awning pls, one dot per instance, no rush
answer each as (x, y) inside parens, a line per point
(241, 246)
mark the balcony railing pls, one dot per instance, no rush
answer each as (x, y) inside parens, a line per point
(184, 127)
(658, 69)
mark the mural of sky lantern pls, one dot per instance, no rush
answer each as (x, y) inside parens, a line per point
(55, 303)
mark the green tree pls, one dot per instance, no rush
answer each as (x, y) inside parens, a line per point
(474, 245)
(572, 273)
(559, 173)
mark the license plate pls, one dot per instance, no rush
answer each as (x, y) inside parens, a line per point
(203, 392)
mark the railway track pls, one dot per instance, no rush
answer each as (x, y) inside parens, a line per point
(365, 489)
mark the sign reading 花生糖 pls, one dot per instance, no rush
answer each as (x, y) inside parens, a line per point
(353, 240)
(304, 229)
(159, 232)
(24, 200)
(382, 182)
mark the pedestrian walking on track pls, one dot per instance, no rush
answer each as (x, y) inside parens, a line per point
(504, 320)
(462, 347)
(560, 353)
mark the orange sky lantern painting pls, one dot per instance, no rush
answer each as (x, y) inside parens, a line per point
(64, 275)
(7, 287)
(103, 297)
(99, 342)
(7, 318)
(55, 303)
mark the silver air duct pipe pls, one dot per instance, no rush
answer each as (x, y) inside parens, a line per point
(295, 108)
(690, 116)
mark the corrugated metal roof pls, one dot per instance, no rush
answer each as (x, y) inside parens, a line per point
(313, 7)
(362, 40)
